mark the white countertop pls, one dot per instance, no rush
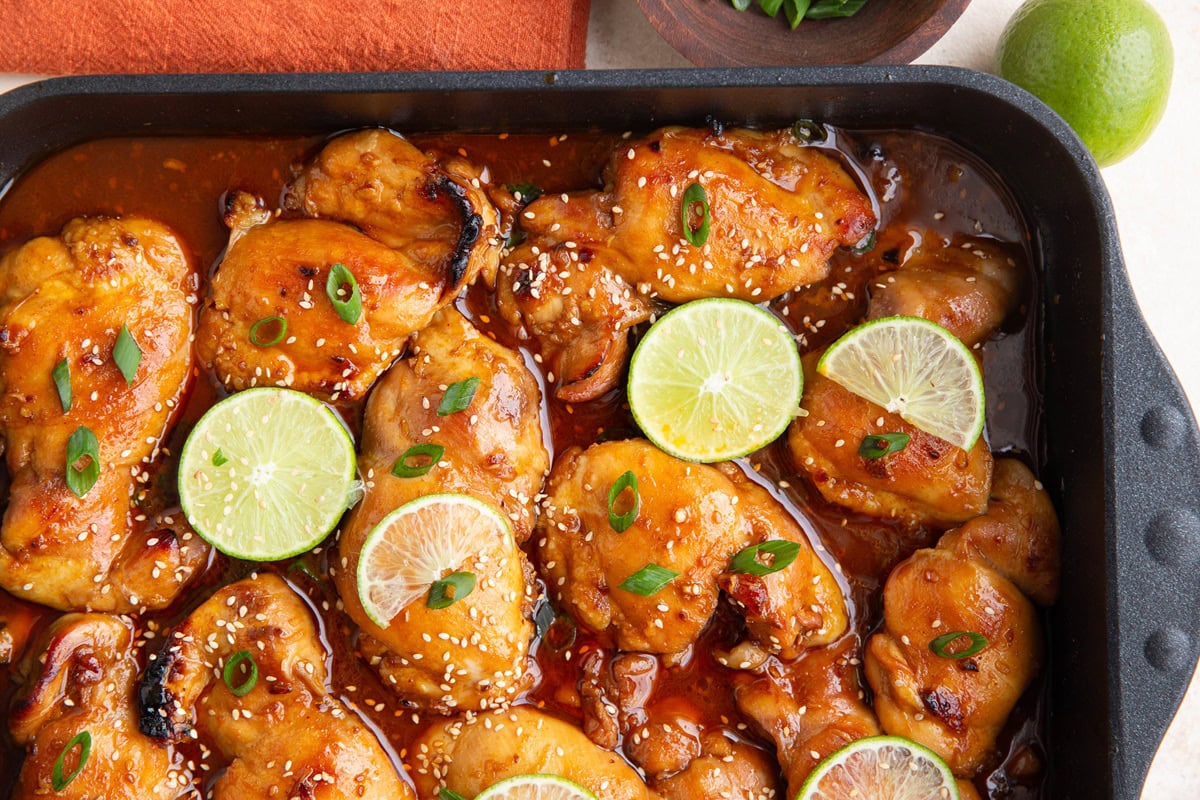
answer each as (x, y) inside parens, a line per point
(1154, 192)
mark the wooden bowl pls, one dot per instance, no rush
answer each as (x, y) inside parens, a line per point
(712, 33)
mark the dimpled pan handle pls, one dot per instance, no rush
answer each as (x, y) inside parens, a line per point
(1154, 458)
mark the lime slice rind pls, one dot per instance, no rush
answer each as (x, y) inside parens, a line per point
(285, 477)
(421, 542)
(715, 379)
(881, 766)
(535, 787)
(916, 369)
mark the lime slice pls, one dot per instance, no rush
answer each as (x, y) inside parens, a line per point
(421, 542)
(715, 379)
(914, 368)
(881, 768)
(266, 474)
(535, 787)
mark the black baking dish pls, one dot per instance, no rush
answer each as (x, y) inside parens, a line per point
(1123, 450)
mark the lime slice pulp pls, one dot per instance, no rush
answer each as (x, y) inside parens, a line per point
(881, 768)
(419, 543)
(535, 787)
(266, 474)
(914, 368)
(715, 379)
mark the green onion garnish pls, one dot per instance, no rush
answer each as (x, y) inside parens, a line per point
(808, 131)
(865, 245)
(449, 794)
(695, 234)
(878, 445)
(57, 779)
(780, 553)
(457, 397)
(649, 580)
(528, 191)
(621, 522)
(83, 461)
(261, 338)
(127, 354)
(219, 458)
(543, 618)
(941, 645)
(62, 382)
(450, 589)
(410, 465)
(230, 674)
(344, 293)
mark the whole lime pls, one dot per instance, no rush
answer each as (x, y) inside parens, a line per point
(1104, 65)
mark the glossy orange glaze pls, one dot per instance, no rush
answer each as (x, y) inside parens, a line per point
(932, 189)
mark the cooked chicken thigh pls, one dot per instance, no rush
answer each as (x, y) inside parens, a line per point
(968, 288)
(66, 300)
(929, 482)
(691, 519)
(810, 707)
(953, 704)
(467, 755)
(412, 232)
(83, 685)
(472, 654)
(272, 717)
(723, 769)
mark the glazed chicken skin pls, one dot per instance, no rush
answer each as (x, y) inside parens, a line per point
(467, 755)
(411, 231)
(84, 680)
(472, 654)
(66, 299)
(689, 521)
(929, 482)
(968, 583)
(285, 737)
(968, 288)
(573, 305)
(810, 708)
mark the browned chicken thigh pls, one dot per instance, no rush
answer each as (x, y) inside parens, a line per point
(467, 755)
(64, 302)
(925, 688)
(929, 482)
(81, 699)
(691, 519)
(410, 231)
(472, 654)
(246, 674)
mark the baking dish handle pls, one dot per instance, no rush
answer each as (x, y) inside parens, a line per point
(1154, 458)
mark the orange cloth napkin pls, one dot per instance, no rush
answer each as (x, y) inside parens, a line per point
(96, 36)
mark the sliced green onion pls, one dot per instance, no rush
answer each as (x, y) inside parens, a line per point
(621, 522)
(260, 338)
(62, 382)
(649, 580)
(809, 131)
(457, 397)
(219, 458)
(878, 445)
(236, 660)
(561, 633)
(543, 618)
(127, 354)
(450, 589)
(691, 196)
(348, 306)
(57, 779)
(449, 794)
(941, 645)
(528, 191)
(407, 467)
(780, 552)
(83, 461)
(865, 245)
